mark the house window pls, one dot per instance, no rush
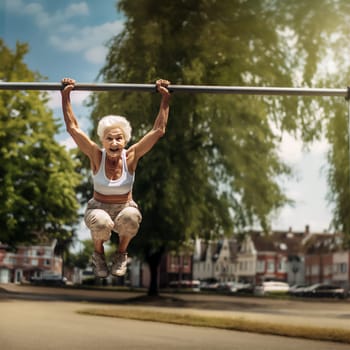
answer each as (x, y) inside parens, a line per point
(250, 266)
(48, 252)
(32, 252)
(173, 261)
(260, 266)
(340, 268)
(47, 262)
(315, 270)
(328, 269)
(343, 268)
(282, 265)
(35, 262)
(270, 266)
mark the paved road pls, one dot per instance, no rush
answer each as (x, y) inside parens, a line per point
(325, 313)
(47, 318)
(52, 325)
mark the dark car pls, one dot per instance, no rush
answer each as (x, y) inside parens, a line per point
(322, 290)
(49, 280)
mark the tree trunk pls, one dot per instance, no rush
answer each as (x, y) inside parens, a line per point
(153, 261)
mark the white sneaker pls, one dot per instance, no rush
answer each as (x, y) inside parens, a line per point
(99, 265)
(119, 261)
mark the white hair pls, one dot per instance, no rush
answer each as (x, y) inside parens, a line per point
(114, 121)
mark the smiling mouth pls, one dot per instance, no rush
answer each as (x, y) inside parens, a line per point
(114, 150)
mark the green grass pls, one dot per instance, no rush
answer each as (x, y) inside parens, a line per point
(236, 324)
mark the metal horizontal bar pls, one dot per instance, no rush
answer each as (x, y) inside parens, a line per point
(208, 89)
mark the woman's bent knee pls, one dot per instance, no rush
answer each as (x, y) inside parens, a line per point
(99, 223)
(128, 221)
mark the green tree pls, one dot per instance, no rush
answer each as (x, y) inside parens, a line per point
(38, 177)
(81, 258)
(218, 166)
(338, 169)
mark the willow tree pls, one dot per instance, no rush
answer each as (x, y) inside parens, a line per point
(38, 176)
(217, 168)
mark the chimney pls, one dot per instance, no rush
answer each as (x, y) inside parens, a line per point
(307, 230)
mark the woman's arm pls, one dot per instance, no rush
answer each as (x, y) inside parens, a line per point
(139, 149)
(85, 144)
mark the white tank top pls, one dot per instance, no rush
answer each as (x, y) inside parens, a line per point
(105, 186)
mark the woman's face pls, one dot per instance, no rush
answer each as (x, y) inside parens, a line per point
(113, 142)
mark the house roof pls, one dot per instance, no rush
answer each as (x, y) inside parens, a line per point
(286, 242)
(213, 248)
(319, 243)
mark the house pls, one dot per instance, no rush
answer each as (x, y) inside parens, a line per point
(325, 259)
(28, 261)
(215, 260)
(246, 260)
(279, 255)
(341, 270)
(174, 266)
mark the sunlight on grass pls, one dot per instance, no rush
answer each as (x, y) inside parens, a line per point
(237, 324)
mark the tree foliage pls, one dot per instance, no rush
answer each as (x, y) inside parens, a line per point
(218, 166)
(38, 177)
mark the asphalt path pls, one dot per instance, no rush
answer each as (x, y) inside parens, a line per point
(47, 318)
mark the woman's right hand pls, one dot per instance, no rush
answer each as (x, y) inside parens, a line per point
(68, 85)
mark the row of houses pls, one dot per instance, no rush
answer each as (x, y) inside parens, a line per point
(294, 257)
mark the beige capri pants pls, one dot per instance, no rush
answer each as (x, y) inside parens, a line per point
(103, 218)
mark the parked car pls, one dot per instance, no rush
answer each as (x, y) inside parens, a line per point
(49, 280)
(297, 290)
(193, 285)
(234, 287)
(271, 287)
(209, 285)
(323, 290)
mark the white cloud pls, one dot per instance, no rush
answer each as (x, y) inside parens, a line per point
(64, 35)
(78, 98)
(68, 143)
(88, 40)
(54, 99)
(320, 147)
(44, 19)
(96, 54)
(77, 9)
(291, 149)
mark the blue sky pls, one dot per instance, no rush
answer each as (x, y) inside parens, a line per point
(67, 38)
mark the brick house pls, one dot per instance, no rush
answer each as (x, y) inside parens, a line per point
(325, 259)
(28, 261)
(173, 267)
(279, 256)
(178, 267)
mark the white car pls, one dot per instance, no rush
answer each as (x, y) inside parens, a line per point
(271, 287)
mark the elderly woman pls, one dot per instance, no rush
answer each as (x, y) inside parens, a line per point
(113, 167)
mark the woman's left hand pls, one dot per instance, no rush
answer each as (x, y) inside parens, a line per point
(162, 87)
